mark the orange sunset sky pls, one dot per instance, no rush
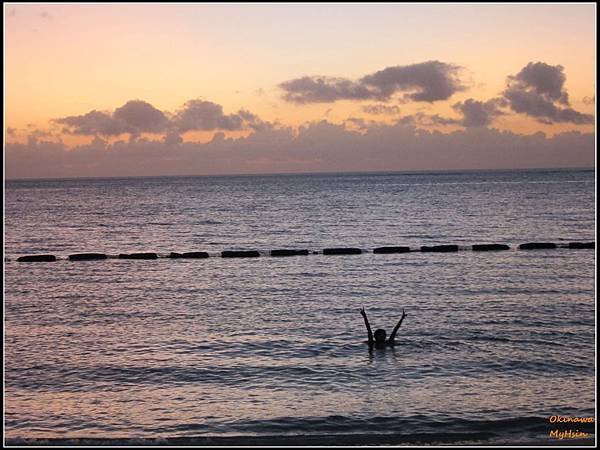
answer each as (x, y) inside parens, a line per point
(163, 89)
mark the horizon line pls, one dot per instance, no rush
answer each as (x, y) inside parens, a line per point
(265, 174)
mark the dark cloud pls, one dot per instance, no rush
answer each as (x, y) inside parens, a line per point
(133, 117)
(324, 90)
(315, 147)
(381, 109)
(544, 110)
(252, 121)
(474, 113)
(203, 115)
(92, 123)
(543, 79)
(477, 113)
(424, 82)
(538, 91)
(430, 81)
(136, 117)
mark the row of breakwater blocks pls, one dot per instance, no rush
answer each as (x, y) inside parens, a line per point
(327, 251)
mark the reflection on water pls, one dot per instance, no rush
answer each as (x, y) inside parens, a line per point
(146, 347)
(495, 341)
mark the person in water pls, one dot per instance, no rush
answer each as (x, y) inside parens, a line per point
(378, 339)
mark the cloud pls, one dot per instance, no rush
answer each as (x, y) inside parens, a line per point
(315, 147)
(381, 109)
(357, 122)
(436, 119)
(134, 117)
(423, 82)
(474, 113)
(319, 89)
(252, 121)
(172, 137)
(538, 91)
(544, 79)
(37, 134)
(431, 81)
(92, 123)
(137, 116)
(423, 120)
(477, 113)
(589, 100)
(203, 115)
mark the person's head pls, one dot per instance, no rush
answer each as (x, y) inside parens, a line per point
(379, 335)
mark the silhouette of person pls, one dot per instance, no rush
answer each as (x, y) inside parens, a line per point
(377, 339)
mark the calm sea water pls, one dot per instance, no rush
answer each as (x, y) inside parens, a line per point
(494, 342)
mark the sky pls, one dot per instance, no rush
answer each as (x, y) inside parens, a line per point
(193, 89)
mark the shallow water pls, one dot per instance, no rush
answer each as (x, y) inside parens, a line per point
(493, 341)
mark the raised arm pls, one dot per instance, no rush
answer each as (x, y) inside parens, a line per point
(397, 327)
(370, 333)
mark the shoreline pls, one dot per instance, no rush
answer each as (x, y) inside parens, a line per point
(423, 439)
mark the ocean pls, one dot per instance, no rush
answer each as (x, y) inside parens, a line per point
(494, 344)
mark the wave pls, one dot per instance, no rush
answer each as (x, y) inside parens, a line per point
(209, 222)
(262, 441)
(341, 430)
